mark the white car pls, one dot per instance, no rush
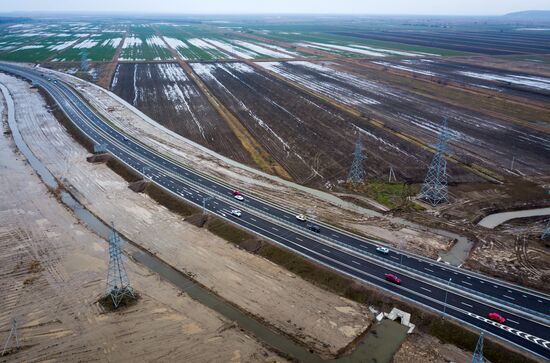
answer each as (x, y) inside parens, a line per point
(238, 197)
(301, 217)
(383, 250)
(236, 212)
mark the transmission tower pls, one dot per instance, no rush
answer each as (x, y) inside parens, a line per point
(118, 284)
(357, 172)
(84, 60)
(478, 354)
(435, 189)
(13, 333)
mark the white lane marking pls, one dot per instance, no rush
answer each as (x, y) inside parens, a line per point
(524, 296)
(539, 300)
(519, 333)
(467, 283)
(468, 305)
(423, 288)
(252, 219)
(396, 258)
(481, 281)
(299, 239)
(275, 229)
(355, 262)
(334, 235)
(427, 269)
(508, 297)
(512, 321)
(327, 251)
(495, 286)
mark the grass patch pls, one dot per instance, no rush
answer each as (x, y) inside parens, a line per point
(391, 195)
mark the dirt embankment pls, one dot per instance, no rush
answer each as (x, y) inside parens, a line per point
(319, 319)
(53, 271)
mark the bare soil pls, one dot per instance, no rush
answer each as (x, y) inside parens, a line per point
(54, 271)
(420, 347)
(476, 138)
(314, 141)
(165, 92)
(319, 319)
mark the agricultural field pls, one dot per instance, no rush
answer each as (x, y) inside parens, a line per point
(165, 93)
(476, 137)
(38, 42)
(485, 42)
(98, 47)
(522, 84)
(345, 46)
(143, 44)
(312, 140)
(201, 43)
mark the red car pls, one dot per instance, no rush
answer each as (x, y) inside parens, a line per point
(496, 317)
(393, 278)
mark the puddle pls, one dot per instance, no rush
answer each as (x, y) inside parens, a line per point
(378, 345)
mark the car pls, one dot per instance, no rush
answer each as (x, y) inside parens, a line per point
(314, 228)
(383, 250)
(236, 212)
(496, 317)
(238, 197)
(125, 138)
(301, 217)
(393, 278)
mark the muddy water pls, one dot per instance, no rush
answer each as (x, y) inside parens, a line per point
(378, 345)
(493, 220)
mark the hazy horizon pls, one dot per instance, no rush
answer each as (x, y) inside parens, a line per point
(287, 7)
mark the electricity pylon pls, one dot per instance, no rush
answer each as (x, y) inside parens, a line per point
(435, 189)
(13, 333)
(357, 172)
(118, 284)
(478, 354)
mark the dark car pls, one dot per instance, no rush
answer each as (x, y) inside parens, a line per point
(314, 228)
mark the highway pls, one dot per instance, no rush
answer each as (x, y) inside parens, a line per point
(469, 297)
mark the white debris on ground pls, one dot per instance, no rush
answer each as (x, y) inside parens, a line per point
(232, 49)
(405, 68)
(314, 316)
(530, 81)
(54, 269)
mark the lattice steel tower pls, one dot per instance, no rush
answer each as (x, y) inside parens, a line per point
(14, 335)
(435, 189)
(118, 284)
(357, 172)
(478, 354)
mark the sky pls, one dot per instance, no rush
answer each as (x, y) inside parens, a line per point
(401, 7)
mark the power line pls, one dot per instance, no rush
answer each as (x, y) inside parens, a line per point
(13, 333)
